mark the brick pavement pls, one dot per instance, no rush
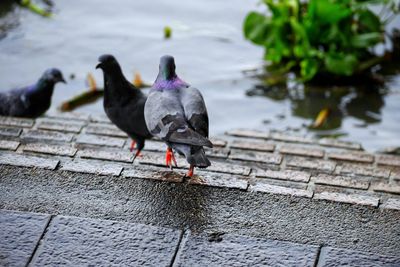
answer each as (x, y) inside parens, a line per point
(253, 161)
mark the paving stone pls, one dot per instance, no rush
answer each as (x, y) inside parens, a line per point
(9, 145)
(280, 190)
(248, 133)
(263, 157)
(388, 160)
(158, 159)
(219, 180)
(233, 250)
(27, 161)
(386, 188)
(218, 142)
(351, 156)
(42, 135)
(250, 145)
(72, 241)
(113, 155)
(302, 151)
(53, 149)
(152, 145)
(342, 181)
(291, 138)
(316, 164)
(348, 198)
(339, 144)
(153, 173)
(395, 174)
(297, 176)
(93, 167)
(60, 125)
(104, 129)
(277, 182)
(391, 204)
(73, 116)
(365, 170)
(10, 131)
(99, 118)
(19, 122)
(333, 257)
(19, 234)
(217, 152)
(231, 168)
(92, 139)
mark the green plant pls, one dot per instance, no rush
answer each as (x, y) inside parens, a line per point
(320, 36)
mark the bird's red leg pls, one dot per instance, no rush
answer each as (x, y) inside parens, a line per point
(136, 154)
(133, 143)
(191, 171)
(168, 157)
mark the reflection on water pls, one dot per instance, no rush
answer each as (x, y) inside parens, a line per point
(9, 17)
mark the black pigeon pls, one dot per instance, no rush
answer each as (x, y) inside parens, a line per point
(123, 102)
(176, 113)
(31, 101)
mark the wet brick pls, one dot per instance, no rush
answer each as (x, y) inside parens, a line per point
(104, 129)
(386, 188)
(99, 118)
(248, 145)
(348, 198)
(8, 145)
(53, 149)
(231, 168)
(27, 161)
(391, 204)
(343, 181)
(291, 138)
(73, 116)
(74, 241)
(351, 156)
(10, 131)
(219, 180)
(19, 234)
(19, 122)
(42, 135)
(289, 175)
(263, 157)
(113, 155)
(261, 186)
(93, 167)
(60, 125)
(217, 152)
(218, 142)
(248, 134)
(359, 169)
(339, 144)
(153, 173)
(388, 160)
(92, 139)
(302, 151)
(332, 257)
(152, 145)
(316, 164)
(234, 250)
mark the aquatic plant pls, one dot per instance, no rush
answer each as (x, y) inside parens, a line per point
(320, 37)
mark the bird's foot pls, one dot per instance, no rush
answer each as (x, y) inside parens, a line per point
(133, 143)
(137, 154)
(190, 172)
(169, 157)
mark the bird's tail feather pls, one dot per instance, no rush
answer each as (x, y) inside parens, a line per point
(199, 158)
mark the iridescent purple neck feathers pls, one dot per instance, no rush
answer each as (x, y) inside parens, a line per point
(174, 83)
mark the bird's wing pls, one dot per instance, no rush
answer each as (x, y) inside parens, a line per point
(165, 118)
(195, 110)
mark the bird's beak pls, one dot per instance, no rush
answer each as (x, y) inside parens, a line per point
(99, 66)
(62, 80)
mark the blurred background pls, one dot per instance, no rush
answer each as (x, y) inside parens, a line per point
(211, 52)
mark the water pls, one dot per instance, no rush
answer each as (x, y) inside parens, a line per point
(210, 53)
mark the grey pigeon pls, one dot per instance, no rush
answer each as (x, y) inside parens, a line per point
(176, 113)
(31, 101)
(123, 102)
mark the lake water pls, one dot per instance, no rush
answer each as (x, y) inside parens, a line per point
(210, 53)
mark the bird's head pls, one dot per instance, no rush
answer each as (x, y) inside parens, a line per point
(53, 75)
(107, 62)
(167, 67)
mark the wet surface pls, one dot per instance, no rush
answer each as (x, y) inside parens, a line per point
(210, 52)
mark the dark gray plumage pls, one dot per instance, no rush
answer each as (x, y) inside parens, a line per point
(123, 102)
(31, 101)
(176, 113)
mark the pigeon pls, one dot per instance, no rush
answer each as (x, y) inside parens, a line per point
(31, 101)
(123, 103)
(176, 113)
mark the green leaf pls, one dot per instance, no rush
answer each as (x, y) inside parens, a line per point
(329, 12)
(366, 40)
(369, 22)
(255, 27)
(341, 64)
(308, 68)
